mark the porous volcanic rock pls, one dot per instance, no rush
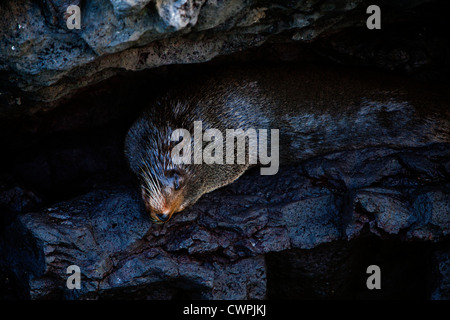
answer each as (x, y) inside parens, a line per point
(42, 61)
(217, 249)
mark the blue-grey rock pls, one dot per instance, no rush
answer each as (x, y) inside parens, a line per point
(217, 248)
(44, 61)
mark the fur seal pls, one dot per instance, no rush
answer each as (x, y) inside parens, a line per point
(317, 111)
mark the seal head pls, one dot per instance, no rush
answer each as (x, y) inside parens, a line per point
(164, 184)
(167, 186)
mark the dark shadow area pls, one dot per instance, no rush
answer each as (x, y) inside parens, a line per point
(339, 270)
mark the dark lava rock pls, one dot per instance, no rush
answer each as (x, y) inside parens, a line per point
(226, 246)
(41, 60)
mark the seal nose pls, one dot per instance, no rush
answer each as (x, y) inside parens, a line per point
(163, 217)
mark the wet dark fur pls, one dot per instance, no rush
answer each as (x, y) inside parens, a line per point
(317, 111)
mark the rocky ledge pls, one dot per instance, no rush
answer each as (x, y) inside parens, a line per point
(227, 245)
(42, 61)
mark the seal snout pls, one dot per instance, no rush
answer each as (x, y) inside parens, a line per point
(163, 217)
(161, 214)
(163, 195)
(161, 210)
(165, 213)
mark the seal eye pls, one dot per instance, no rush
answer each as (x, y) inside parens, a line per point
(176, 178)
(176, 181)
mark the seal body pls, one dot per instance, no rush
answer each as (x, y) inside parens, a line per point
(316, 110)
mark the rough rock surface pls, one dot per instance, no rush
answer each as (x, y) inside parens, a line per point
(41, 60)
(223, 247)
